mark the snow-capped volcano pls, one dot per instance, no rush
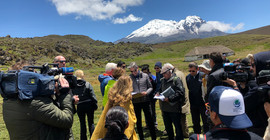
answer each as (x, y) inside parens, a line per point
(156, 31)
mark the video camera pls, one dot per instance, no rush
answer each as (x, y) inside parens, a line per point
(263, 81)
(55, 70)
(237, 72)
(29, 83)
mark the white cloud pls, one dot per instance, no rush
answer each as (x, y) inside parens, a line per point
(216, 25)
(95, 9)
(124, 20)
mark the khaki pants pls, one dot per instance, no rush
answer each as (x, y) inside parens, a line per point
(184, 125)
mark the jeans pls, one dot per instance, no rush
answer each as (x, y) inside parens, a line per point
(145, 106)
(82, 111)
(170, 118)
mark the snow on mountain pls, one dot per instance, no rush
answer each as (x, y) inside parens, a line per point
(156, 31)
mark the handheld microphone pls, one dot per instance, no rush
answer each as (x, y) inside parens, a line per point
(66, 70)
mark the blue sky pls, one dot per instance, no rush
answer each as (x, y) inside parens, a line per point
(112, 20)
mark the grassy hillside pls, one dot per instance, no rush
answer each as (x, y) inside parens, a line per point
(78, 50)
(172, 52)
(259, 31)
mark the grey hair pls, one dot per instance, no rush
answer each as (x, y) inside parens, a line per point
(169, 65)
(110, 66)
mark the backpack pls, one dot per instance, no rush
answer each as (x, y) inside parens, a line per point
(85, 95)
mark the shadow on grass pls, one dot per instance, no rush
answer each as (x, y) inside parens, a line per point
(159, 134)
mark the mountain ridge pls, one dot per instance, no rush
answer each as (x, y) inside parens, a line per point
(157, 31)
(265, 30)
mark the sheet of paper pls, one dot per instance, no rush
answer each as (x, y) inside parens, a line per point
(160, 97)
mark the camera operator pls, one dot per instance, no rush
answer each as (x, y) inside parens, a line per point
(39, 117)
(214, 78)
(249, 82)
(254, 104)
(61, 61)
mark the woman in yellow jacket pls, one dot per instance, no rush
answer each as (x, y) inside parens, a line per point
(119, 95)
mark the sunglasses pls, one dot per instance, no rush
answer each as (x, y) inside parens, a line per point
(123, 67)
(191, 70)
(62, 61)
(253, 65)
(133, 71)
(157, 68)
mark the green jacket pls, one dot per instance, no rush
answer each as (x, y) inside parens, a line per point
(39, 118)
(106, 92)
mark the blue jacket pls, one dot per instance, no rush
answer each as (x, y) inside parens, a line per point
(158, 81)
(103, 79)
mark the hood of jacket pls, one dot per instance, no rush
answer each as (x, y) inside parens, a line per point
(260, 61)
(81, 82)
(103, 76)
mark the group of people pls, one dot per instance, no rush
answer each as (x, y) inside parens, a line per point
(229, 109)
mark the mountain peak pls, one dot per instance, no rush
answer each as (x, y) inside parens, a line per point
(157, 28)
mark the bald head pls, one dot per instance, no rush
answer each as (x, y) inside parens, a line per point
(61, 60)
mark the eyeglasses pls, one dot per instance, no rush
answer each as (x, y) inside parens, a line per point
(191, 70)
(62, 61)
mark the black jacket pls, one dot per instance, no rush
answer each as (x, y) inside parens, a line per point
(224, 133)
(195, 89)
(176, 100)
(254, 108)
(86, 94)
(214, 79)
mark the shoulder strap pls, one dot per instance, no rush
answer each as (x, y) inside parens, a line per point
(174, 80)
(201, 137)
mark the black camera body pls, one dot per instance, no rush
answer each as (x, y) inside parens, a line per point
(237, 72)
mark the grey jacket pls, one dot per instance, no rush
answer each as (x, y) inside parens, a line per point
(141, 83)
